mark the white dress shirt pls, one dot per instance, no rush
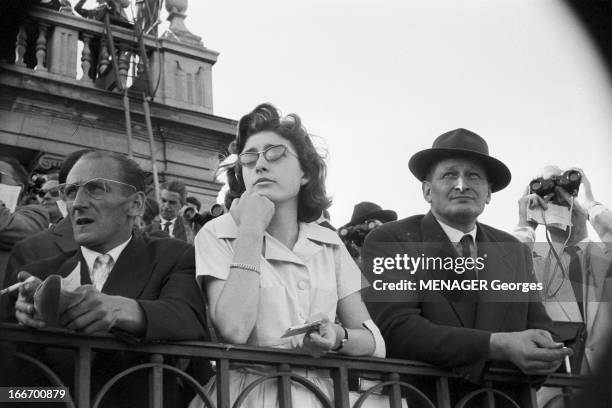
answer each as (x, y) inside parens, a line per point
(170, 227)
(90, 257)
(454, 235)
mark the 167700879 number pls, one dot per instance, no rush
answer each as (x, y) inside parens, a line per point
(34, 394)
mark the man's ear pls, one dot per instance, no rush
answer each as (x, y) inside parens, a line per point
(488, 200)
(137, 204)
(426, 187)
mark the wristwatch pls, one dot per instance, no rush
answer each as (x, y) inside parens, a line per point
(343, 341)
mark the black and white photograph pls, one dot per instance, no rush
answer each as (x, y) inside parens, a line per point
(341, 203)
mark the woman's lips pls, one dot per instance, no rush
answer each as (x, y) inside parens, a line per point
(262, 180)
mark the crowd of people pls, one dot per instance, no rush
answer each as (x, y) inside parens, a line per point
(149, 270)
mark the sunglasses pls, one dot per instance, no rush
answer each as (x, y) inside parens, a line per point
(53, 192)
(271, 154)
(96, 188)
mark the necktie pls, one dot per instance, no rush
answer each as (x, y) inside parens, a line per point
(167, 227)
(466, 246)
(101, 268)
(575, 276)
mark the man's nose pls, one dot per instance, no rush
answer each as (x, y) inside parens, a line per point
(461, 185)
(80, 199)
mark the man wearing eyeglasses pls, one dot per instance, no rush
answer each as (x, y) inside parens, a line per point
(130, 285)
(53, 241)
(49, 196)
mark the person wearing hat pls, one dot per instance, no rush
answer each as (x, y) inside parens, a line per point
(366, 217)
(463, 330)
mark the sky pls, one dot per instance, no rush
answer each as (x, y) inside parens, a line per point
(377, 81)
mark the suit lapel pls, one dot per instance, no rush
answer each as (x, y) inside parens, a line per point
(437, 244)
(499, 265)
(131, 271)
(65, 237)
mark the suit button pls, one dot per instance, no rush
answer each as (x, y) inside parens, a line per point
(302, 285)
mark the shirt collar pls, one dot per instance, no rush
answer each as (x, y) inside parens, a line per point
(163, 220)
(225, 227)
(455, 235)
(90, 255)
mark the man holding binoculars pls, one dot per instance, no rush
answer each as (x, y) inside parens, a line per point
(573, 268)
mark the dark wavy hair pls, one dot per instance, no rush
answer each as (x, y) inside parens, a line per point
(312, 198)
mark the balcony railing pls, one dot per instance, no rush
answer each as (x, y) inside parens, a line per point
(394, 376)
(68, 48)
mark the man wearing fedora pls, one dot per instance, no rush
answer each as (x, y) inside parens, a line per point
(463, 330)
(365, 218)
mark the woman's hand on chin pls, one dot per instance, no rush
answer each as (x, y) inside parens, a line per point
(252, 211)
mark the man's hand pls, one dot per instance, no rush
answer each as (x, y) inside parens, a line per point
(586, 186)
(530, 201)
(319, 343)
(99, 313)
(24, 306)
(533, 351)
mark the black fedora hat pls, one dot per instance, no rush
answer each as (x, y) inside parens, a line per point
(461, 143)
(366, 210)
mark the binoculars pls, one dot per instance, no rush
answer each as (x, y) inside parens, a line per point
(569, 181)
(357, 233)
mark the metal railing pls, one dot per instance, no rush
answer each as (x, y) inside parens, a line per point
(397, 379)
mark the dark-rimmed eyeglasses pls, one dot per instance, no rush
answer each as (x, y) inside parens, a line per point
(271, 154)
(96, 188)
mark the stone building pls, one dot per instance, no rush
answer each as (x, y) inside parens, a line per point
(59, 93)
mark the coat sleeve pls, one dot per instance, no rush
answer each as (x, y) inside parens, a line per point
(178, 312)
(25, 221)
(407, 333)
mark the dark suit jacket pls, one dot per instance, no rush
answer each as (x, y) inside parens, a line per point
(48, 243)
(160, 275)
(441, 328)
(15, 226)
(181, 231)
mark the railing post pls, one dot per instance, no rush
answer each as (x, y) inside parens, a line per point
(489, 401)
(41, 47)
(86, 58)
(103, 61)
(341, 387)
(21, 46)
(528, 397)
(83, 377)
(442, 393)
(156, 382)
(62, 51)
(124, 65)
(284, 387)
(396, 392)
(223, 397)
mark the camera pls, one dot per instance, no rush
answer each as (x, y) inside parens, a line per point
(569, 181)
(356, 233)
(216, 210)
